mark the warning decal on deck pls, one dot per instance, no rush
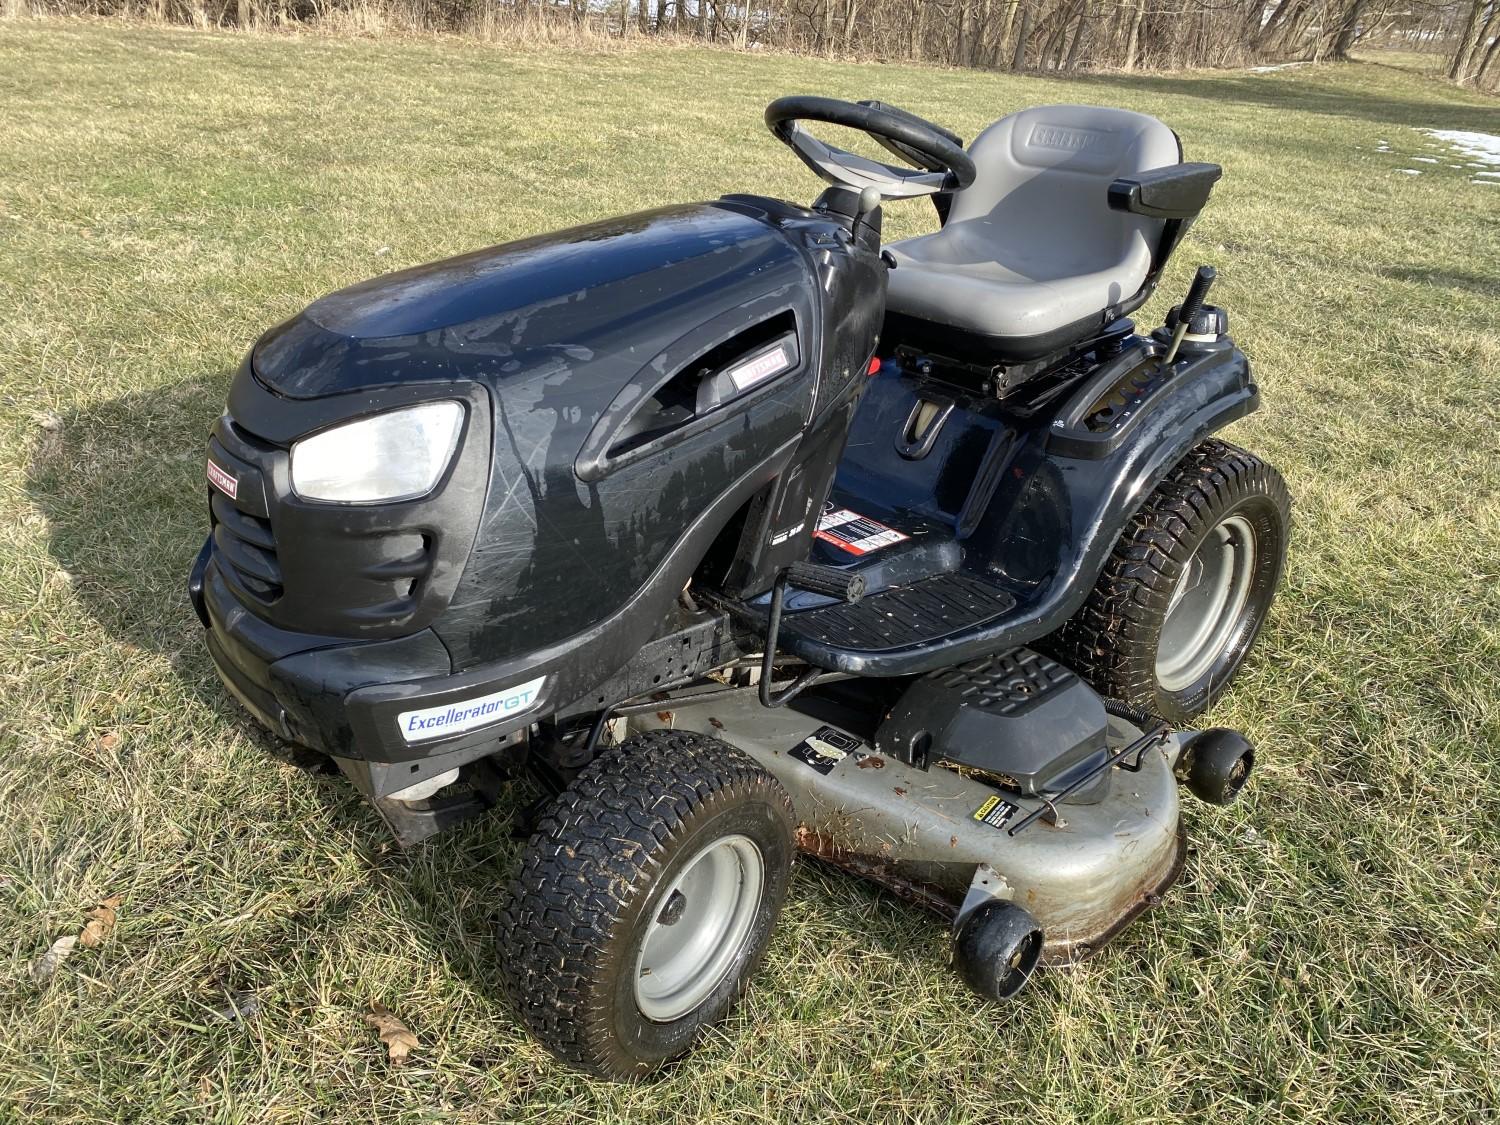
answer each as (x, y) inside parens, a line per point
(857, 534)
(995, 812)
(826, 748)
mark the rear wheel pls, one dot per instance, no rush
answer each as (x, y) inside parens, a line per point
(645, 901)
(1187, 587)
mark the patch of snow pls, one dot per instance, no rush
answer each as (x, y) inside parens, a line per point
(1278, 66)
(1410, 171)
(1484, 148)
(1427, 159)
(1486, 183)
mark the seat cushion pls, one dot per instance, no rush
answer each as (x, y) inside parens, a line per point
(994, 299)
(1031, 247)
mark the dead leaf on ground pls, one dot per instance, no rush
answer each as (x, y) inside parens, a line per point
(101, 921)
(396, 1036)
(46, 964)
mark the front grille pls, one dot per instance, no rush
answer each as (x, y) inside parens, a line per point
(331, 570)
(247, 544)
(244, 540)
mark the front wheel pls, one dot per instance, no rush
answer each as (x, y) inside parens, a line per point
(1187, 587)
(645, 901)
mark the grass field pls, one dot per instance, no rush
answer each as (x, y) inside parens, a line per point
(1331, 952)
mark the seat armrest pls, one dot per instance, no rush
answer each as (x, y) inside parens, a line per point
(1177, 191)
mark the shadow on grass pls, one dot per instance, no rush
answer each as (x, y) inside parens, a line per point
(1301, 96)
(120, 483)
(1446, 279)
(122, 486)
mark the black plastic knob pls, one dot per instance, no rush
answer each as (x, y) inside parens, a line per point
(847, 586)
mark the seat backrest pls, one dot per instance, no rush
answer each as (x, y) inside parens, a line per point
(1041, 196)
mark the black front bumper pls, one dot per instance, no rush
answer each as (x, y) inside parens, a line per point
(346, 698)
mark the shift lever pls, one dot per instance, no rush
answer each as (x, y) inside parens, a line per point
(1197, 294)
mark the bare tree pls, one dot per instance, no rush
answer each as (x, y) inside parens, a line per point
(1348, 31)
(1052, 35)
(1474, 50)
(1018, 57)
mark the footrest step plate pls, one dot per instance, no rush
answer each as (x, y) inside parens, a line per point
(903, 616)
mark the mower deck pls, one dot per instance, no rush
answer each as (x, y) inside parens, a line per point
(948, 842)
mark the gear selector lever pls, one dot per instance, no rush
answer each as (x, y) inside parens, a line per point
(1197, 294)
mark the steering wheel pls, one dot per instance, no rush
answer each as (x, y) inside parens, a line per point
(943, 165)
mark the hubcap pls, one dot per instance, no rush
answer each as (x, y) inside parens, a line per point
(699, 928)
(1206, 605)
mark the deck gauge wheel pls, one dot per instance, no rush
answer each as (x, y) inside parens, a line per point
(996, 949)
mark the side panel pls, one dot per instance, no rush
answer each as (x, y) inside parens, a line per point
(555, 553)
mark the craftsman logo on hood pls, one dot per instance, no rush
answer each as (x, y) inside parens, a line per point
(467, 714)
(225, 482)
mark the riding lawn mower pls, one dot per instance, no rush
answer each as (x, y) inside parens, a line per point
(745, 536)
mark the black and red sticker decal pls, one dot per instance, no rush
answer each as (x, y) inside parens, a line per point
(854, 533)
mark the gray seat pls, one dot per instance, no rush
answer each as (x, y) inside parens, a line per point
(1031, 251)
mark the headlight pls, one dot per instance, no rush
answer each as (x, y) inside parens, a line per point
(398, 455)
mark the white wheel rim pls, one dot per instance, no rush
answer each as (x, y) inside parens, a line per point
(1207, 603)
(699, 928)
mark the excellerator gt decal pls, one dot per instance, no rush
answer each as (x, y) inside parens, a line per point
(466, 714)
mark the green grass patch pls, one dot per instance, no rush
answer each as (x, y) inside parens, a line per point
(165, 195)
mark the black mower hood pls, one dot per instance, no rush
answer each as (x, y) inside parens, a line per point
(616, 291)
(628, 386)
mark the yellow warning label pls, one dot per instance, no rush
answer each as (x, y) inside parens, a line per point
(995, 812)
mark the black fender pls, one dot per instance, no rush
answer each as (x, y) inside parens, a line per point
(1032, 498)
(1071, 490)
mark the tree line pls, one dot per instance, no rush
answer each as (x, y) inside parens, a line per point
(1031, 35)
